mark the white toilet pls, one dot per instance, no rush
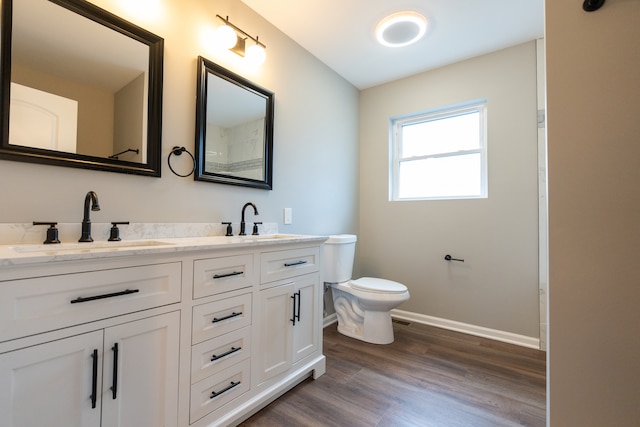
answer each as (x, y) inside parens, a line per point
(363, 306)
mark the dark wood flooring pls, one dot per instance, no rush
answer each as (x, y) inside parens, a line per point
(429, 377)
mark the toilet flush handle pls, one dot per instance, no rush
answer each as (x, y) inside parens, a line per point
(450, 258)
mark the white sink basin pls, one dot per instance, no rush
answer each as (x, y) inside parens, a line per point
(274, 236)
(260, 237)
(88, 246)
(105, 246)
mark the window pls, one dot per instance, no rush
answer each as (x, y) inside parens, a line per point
(440, 154)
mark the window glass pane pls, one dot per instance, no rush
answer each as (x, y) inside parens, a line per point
(453, 176)
(443, 135)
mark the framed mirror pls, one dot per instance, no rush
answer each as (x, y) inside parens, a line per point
(234, 129)
(80, 87)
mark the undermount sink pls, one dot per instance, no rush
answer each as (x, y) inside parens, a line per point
(106, 246)
(86, 247)
(251, 237)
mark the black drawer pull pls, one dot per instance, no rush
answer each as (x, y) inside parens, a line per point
(297, 297)
(94, 379)
(293, 316)
(220, 319)
(233, 350)
(220, 276)
(103, 296)
(114, 384)
(291, 264)
(216, 394)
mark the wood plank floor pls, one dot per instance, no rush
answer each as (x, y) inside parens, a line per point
(429, 377)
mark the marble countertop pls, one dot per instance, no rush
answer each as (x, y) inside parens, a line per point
(22, 254)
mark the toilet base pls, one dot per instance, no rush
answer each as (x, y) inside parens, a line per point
(378, 331)
(374, 327)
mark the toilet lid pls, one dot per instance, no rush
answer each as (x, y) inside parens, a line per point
(372, 284)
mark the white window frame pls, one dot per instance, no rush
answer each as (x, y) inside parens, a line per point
(395, 145)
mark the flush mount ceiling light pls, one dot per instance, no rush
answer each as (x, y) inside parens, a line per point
(229, 38)
(401, 29)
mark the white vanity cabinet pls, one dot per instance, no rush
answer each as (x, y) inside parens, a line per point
(54, 298)
(91, 348)
(289, 310)
(125, 375)
(51, 384)
(221, 331)
(191, 333)
(140, 383)
(258, 334)
(215, 276)
(288, 324)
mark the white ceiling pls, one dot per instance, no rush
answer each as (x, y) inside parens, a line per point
(341, 32)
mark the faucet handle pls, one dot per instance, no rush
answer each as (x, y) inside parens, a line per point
(229, 229)
(114, 234)
(255, 228)
(52, 232)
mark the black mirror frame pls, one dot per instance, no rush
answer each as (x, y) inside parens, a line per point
(154, 102)
(206, 67)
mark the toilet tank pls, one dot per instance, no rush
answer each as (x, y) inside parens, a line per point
(337, 258)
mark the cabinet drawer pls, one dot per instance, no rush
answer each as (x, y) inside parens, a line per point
(219, 353)
(220, 317)
(30, 306)
(284, 264)
(217, 275)
(217, 390)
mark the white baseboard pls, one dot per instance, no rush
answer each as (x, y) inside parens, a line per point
(452, 325)
(466, 328)
(329, 320)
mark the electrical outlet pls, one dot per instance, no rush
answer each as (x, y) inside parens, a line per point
(288, 216)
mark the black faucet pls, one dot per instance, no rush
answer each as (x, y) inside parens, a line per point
(91, 198)
(255, 211)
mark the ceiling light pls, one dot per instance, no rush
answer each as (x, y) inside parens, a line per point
(401, 29)
(228, 37)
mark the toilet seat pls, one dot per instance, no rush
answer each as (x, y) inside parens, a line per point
(382, 286)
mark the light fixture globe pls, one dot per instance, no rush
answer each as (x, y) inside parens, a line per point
(226, 36)
(235, 39)
(401, 29)
(256, 54)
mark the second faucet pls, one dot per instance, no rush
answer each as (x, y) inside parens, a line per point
(90, 198)
(242, 224)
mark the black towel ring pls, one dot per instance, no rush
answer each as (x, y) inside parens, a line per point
(178, 152)
(592, 5)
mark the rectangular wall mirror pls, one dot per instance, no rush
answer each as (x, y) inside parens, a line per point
(234, 129)
(81, 87)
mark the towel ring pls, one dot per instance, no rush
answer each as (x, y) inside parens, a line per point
(178, 152)
(592, 5)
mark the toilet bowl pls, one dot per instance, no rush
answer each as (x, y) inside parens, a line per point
(363, 306)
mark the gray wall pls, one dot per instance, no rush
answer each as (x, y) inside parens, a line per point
(315, 149)
(497, 286)
(593, 69)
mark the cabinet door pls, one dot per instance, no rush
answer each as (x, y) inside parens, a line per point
(276, 346)
(141, 364)
(306, 331)
(52, 384)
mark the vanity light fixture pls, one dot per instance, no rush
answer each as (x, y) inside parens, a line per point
(401, 29)
(229, 38)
